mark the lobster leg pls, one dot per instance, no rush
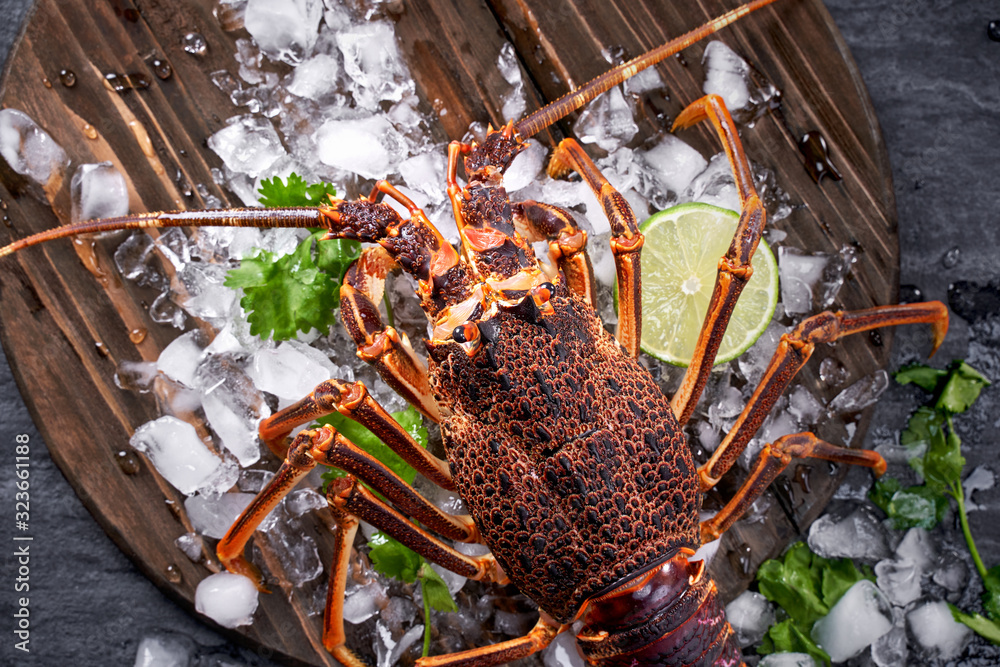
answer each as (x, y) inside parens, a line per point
(385, 348)
(326, 446)
(352, 400)
(771, 461)
(734, 267)
(626, 243)
(567, 243)
(537, 639)
(794, 349)
(334, 637)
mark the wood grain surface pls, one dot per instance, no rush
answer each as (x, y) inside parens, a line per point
(66, 314)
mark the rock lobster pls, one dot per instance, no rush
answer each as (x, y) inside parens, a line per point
(571, 461)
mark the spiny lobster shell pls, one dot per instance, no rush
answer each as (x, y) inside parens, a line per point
(566, 452)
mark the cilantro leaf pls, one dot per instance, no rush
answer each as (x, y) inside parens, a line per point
(393, 559)
(925, 377)
(943, 461)
(991, 596)
(435, 590)
(962, 388)
(274, 193)
(914, 506)
(295, 292)
(787, 637)
(982, 626)
(922, 426)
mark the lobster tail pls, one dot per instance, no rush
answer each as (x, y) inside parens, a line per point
(671, 615)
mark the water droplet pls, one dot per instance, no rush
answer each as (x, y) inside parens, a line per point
(173, 574)
(101, 348)
(89, 131)
(67, 77)
(137, 335)
(910, 294)
(681, 59)
(832, 372)
(115, 82)
(161, 68)
(951, 258)
(875, 338)
(817, 154)
(739, 558)
(802, 474)
(993, 30)
(128, 461)
(195, 44)
(131, 15)
(6, 221)
(138, 80)
(174, 508)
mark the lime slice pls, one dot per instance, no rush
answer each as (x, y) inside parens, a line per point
(679, 262)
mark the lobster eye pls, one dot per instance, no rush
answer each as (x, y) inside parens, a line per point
(465, 333)
(543, 292)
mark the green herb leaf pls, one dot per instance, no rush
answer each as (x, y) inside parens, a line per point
(943, 461)
(393, 559)
(787, 637)
(921, 428)
(910, 507)
(982, 626)
(435, 590)
(991, 597)
(794, 584)
(274, 193)
(962, 388)
(838, 575)
(925, 377)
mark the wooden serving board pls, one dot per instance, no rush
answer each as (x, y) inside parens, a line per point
(67, 317)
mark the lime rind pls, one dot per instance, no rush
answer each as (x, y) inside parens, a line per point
(672, 255)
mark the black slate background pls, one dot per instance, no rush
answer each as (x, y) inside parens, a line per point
(934, 79)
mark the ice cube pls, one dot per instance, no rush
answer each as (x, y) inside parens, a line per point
(860, 617)
(425, 172)
(135, 375)
(295, 550)
(890, 650)
(937, 631)
(787, 660)
(179, 360)
(754, 361)
(191, 544)
(726, 75)
(861, 394)
(668, 167)
(228, 599)
(899, 580)
(750, 615)
(233, 406)
(980, 479)
(284, 29)
(98, 191)
(363, 602)
(369, 147)
(832, 280)
(525, 168)
(163, 650)
(512, 102)
(301, 501)
(315, 77)
(606, 121)
(286, 372)
(804, 406)
(212, 517)
(200, 290)
(136, 260)
(916, 546)
(177, 453)
(28, 149)
(372, 61)
(564, 651)
(858, 535)
(247, 144)
(833, 373)
(799, 274)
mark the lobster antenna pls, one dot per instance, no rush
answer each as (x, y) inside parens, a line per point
(573, 100)
(234, 217)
